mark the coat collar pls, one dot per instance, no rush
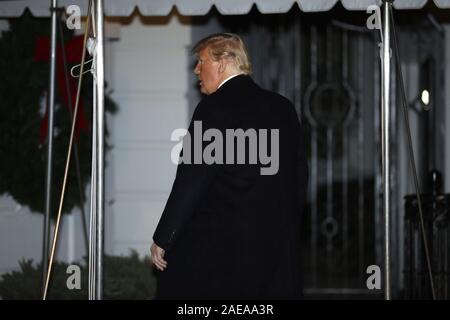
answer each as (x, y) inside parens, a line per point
(237, 82)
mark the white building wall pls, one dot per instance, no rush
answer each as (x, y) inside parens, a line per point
(149, 75)
(153, 82)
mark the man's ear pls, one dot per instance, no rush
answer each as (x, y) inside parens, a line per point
(222, 66)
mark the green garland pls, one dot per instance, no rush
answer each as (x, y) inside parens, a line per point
(23, 82)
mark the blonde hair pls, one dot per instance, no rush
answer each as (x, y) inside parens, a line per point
(226, 45)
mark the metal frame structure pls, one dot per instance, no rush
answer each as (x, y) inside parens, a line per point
(385, 92)
(51, 108)
(98, 151)
(97, 179)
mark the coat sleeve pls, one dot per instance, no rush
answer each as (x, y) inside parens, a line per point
(191, 183)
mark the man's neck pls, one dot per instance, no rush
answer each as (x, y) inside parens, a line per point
(230, 76)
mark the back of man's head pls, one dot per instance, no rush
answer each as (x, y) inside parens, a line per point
(226, 45)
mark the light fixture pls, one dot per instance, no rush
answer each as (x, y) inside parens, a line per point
(425, 97)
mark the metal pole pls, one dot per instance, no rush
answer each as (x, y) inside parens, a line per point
(386, 51)
(93, 215)
(97, 189)
(100, 81)
(51, 108)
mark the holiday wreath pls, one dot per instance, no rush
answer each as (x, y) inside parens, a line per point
(24, 70)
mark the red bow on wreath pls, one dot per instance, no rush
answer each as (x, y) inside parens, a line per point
(73, 51)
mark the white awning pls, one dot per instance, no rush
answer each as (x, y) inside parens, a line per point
(40, 8)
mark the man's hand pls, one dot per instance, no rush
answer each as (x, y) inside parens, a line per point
(158, 257)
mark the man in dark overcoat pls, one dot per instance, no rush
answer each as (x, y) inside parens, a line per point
(231, 226)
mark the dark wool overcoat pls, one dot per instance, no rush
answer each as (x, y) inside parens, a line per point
(230, 231)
